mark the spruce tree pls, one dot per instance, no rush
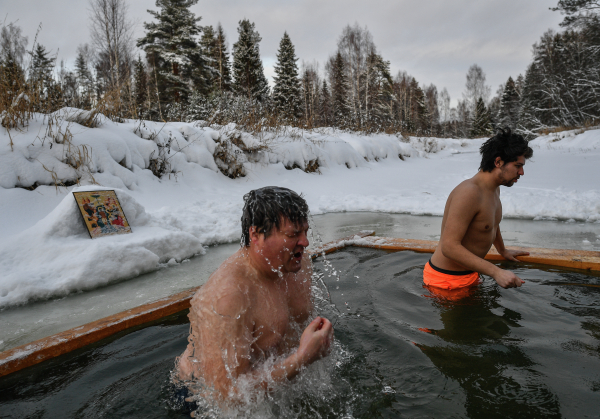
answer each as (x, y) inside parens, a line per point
(377, 91)
(420, 115)
(481, 126)
(528, 111)
(339, 92)
(140, 79)
(214, 46)
(41, 66)
(40, 77)
(416, 121)
(509, 106)
(208, 43)
(171, 45)
(286, 92)
(519, 82)
(223, 66)
(316, 101)
(85, 81)
(325, 111)
(250, 80)
(12, 77)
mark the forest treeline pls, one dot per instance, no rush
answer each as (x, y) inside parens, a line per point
(187, 72)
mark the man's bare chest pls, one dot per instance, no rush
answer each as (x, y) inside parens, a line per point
(487, 219)
(275, 321)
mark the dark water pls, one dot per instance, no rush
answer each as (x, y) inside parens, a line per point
(402, 351)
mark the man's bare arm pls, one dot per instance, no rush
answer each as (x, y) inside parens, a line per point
(314, 344)
(506, 253)
(460, 213)
(226, 339)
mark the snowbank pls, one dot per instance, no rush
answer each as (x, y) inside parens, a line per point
(45, 250)
(55, 147)
(56, 256)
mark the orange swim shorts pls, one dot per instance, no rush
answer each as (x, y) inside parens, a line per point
(448, 280)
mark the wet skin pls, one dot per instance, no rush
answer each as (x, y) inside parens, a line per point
(471, 224)
(251, 308)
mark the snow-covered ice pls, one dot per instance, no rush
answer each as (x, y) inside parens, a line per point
(45, 250)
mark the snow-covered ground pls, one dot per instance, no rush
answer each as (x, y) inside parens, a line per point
(45, 250)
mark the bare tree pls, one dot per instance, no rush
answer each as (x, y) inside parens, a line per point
(112, 37)
(475, 88)
(463, 117)
(431, 102)
(578, 13)
(12, 43)
(311, 84)
(356, 45)
(444, 105)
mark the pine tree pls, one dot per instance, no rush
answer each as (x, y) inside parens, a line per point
(509, 106)
(578, 12)
(140, 78)
(339, 92)
(40, 77)
(376, 90)
(85, 81)
(528, 114)
(214, 46)
(12, 77)
(208, 43)
(519, 82)
(325, 111)
(286, 92)
(250, 80)
(171, 45)
(41, 66)
(418, 116)
(481, 126)
(223, 66)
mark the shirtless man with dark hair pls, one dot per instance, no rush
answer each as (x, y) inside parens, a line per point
(472, 216)
(254, 305)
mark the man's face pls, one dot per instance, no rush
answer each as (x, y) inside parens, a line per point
(284, 248)
(511, 172)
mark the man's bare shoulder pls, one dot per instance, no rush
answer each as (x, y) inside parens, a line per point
(468, 190)
(229, 289)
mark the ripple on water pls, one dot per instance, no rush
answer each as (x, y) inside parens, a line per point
(401, 350)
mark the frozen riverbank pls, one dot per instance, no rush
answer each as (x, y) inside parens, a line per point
(45, 251)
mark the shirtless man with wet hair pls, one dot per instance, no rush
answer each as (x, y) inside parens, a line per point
(472, 216)
(253, 306)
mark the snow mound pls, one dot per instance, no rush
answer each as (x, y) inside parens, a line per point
(55, 148)
(56, 257)
(577, 141)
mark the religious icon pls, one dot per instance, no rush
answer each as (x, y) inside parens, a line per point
(102, 213)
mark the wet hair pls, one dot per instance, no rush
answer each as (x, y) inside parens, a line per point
(267, 208)
(506, 145)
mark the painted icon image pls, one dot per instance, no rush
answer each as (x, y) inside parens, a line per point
(102, 213)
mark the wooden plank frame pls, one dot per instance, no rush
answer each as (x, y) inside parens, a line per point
(61, 343)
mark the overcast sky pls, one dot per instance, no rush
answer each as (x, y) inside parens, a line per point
(436, 41)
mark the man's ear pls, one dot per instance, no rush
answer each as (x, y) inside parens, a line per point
(498, 162)
(254, 234)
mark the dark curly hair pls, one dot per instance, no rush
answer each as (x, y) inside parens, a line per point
(266, 208)
(506, 145)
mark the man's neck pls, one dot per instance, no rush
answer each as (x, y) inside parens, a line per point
(260, 264)
(487, 180)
